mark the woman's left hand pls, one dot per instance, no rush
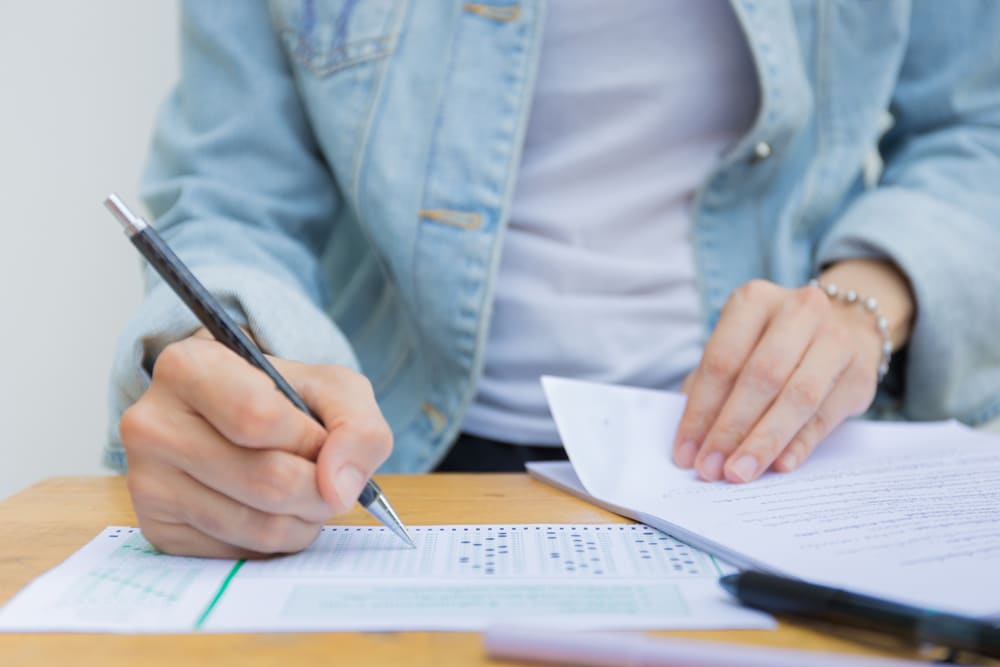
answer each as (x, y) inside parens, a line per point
(783, 368)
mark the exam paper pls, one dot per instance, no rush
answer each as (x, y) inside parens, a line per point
(363, 578)
(900, 510)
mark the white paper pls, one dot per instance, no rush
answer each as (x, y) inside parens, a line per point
(901, 510)
(117, 581)
(360, 578)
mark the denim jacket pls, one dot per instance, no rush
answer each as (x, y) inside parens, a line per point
(340, 173)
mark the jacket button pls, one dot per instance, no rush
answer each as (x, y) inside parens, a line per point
(761, 151)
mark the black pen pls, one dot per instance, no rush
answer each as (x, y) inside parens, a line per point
(208, 310)
(782, 595)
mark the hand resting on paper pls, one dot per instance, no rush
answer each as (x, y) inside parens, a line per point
(783, 368)
(221, 464)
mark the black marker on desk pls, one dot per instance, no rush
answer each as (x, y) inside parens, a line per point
(782, 595)
(217, 321)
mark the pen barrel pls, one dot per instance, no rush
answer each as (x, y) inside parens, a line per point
(960, 632)
(213, 317)
(916, 625)
(781, 595)
(370, 493)
(868, 613)
(225, 330)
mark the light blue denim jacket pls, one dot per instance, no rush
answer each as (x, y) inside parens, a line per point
(340, 173)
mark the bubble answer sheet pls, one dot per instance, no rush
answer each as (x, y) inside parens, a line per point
(354, 578)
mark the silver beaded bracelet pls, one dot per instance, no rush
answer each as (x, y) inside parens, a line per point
(870, 304)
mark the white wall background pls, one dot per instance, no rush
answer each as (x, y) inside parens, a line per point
(79, 86)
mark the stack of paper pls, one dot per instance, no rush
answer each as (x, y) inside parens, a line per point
(904, 511)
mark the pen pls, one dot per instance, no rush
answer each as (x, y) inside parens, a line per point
(589, 649)
(221, 325)
(782, 595)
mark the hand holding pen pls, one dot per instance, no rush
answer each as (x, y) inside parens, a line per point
(221, 464)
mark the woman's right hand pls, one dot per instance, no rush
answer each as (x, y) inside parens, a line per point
(221, 464)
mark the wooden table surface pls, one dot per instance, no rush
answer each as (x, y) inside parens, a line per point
(46, 523)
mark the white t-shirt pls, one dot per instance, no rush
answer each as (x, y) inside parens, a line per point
(634, 103)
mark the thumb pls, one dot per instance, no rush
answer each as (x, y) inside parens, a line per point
(358, 438)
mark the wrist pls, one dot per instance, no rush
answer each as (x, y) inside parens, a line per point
(865, 310)
(883, 281)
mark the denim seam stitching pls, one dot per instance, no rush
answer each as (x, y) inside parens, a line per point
(461, 219)
(499, 13)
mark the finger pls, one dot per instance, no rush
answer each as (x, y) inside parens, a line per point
(799, 402)
(181, 540)
(764, 376)
(238, 400)
(163, 495)
(740, 325)
(850, 397)
(271, 481)
(359, 439)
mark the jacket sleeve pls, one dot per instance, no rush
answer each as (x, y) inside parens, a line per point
(936, 211)
(237, 187)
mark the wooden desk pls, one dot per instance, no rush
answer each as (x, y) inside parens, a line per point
(43, 525)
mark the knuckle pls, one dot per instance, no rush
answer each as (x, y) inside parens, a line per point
(361, 384)
(815, 430)
(320, 377)
(207, 520)
(800, 446)
(753, 291)
(725, 437)
(764, 377)
(806, 393)
(719, 365)
(278, 534)
(813, 300)
(695, 427)
(375, 436)
(138, 426)
(765, 446)
(134, 425)
(339, 375)
(173, 363)
(142, 488)
(274, 480)
(255, 412)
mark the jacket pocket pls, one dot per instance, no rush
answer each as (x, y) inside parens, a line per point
(326, 36)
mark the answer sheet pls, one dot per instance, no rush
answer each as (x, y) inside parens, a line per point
(902, 510)
(363, 578)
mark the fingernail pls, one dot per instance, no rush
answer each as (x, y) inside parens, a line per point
(744, 468)
(349, 481)
(710, 469)
(789, 461)
(684, 456)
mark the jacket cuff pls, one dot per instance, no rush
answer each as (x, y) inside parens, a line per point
(936, 245)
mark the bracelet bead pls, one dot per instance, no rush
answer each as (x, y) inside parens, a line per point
(870, 304)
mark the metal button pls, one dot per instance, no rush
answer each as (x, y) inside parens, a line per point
(761, 151)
